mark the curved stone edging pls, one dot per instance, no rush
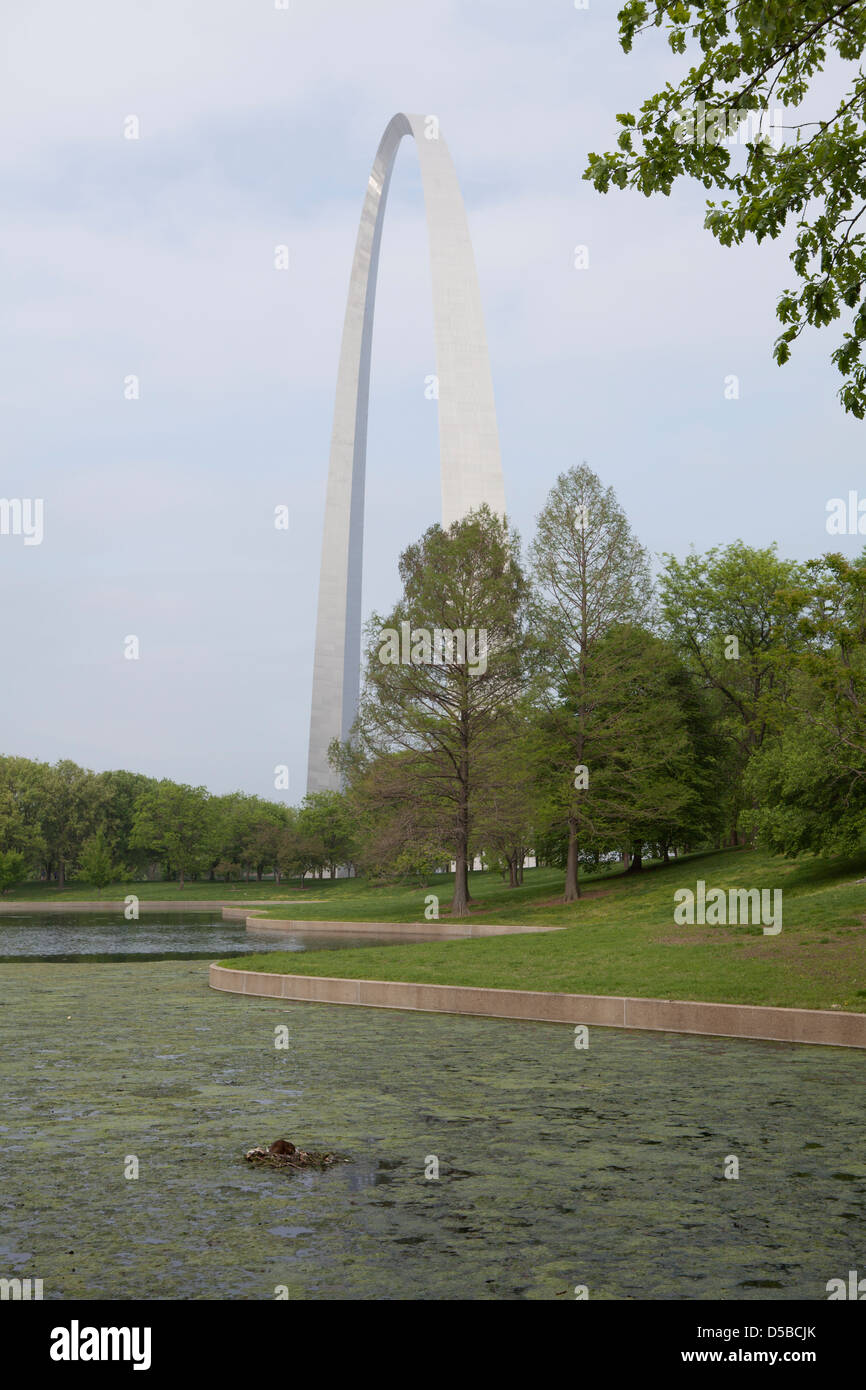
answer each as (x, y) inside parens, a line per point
(434, 929)
(816, 1026)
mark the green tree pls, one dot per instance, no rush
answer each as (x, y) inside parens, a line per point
(510, 813)
(590, 573)
(451, 695)
(397, 824)
(808, 781)
(647, 773)
(96, 863)
(13, 866)
(326, 817)
(741, 57)
(19, 827)
(171, 819)
(650, 746)
(299, 851)
(118, 792)
(728, 614)
(68, 803)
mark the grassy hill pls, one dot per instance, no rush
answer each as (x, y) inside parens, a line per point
(621, 938)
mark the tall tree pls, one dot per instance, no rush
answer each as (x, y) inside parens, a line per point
(510, 813)
(118, 792)
(171, 819)
(808, 782)
(742, 57)
(328, 818)
(650, 745)
(590, 572)
(20, 831)
(729, 614)
(70, 804)
(440, 699)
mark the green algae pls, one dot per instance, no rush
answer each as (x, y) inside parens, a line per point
(557, 1166)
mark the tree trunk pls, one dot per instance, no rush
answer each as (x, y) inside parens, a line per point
(512, 871)
(460, 900)
(637, 860)
(626, 860)
(572, 887)
(61, 875)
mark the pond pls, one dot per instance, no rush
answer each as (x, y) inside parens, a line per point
(557, 1167)
(105, 936)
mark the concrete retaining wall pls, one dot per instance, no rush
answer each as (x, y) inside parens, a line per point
(820, 1026)
(435, 929)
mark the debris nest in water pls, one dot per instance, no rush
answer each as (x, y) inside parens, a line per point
(283, 1154)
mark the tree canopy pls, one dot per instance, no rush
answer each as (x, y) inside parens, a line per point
(739, 60)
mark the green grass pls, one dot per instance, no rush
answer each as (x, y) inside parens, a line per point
(151, 892)
(621, 937)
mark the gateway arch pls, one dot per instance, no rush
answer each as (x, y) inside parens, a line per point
(468, 437)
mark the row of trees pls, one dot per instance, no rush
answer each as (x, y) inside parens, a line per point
(594, 713)
(62, 820)
(722, 704)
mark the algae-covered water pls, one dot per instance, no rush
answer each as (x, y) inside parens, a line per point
(557, 1167)
(108, 936)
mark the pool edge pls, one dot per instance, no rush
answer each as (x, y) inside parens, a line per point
(818, 1027)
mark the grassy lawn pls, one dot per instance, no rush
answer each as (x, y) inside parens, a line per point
(165, 892)
(621, 937)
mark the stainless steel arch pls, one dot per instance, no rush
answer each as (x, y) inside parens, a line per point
(468, 437)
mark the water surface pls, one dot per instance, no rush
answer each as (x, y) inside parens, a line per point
(557, 1167)
(104, 936)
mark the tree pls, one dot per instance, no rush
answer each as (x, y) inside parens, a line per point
(590, 572)
(68, 804)
(808, 781)
(650, 746)
(96, 863)
(727, 613)
(744, 55)
(12, 868)
(171, 819)
(19, 824)
(118, 792)
(648, 770)
(297, 852)
(395, 830)
(326, 817)
(443, 672)
(508, 815)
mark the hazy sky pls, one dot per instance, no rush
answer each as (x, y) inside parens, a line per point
(154, 257)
